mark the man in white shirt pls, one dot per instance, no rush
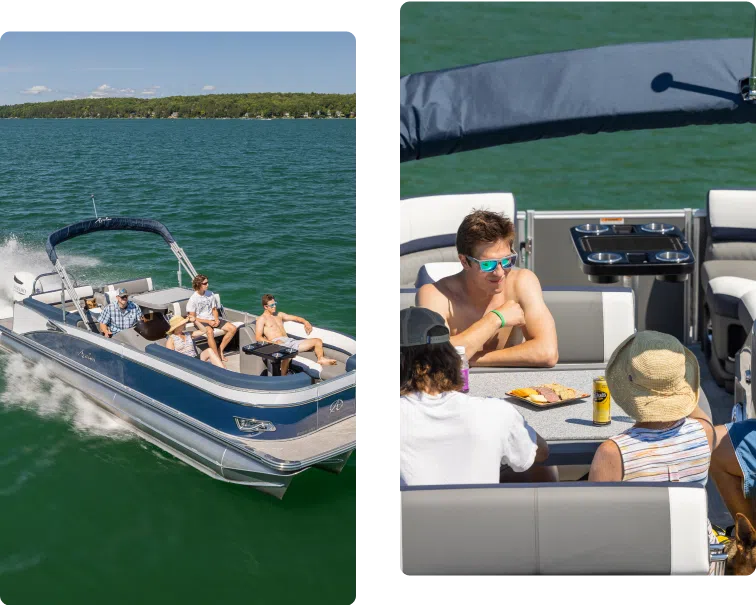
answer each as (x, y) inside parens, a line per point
(202, 309)
(448, 437)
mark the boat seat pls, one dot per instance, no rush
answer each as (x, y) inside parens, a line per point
(53, 297)
(713, 269)
(429, 226)
(723, 304)
(553, 529)
(590, 321)
(430, 273)
(132, 338)
(747, 310)
(727, 274)
(133, 286)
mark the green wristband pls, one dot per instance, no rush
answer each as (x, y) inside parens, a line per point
(501, 317)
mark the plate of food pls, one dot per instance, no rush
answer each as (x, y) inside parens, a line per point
(548, 395)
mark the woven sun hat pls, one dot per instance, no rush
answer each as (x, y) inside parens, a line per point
(176, 322)
(653, 377)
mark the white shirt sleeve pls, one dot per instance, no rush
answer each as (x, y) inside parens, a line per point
(519, 440)
(191, 305)
(213, 302)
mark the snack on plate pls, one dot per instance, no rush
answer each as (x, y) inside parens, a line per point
(547, 393)
(524, 393)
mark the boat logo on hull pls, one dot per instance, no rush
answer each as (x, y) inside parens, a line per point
(84, 355)
(337, 405)
(250, 425)
(102, 219)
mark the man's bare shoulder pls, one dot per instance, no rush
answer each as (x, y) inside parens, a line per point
(525, 279)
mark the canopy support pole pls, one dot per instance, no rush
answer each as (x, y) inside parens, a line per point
(66, 282)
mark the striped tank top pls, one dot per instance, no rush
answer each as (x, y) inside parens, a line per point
(184, 345)
(679, 453)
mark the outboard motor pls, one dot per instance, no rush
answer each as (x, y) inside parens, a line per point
(22, 285)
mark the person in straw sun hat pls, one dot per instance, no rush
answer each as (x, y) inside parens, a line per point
(655, 380)
(181, 342)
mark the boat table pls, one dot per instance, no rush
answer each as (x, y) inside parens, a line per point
(272, 355)
(568, 428)
(161, 300)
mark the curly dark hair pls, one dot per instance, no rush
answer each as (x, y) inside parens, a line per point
(197, 281)
(433, 367)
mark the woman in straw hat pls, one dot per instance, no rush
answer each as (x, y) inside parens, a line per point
(181, 342)
(655, 380)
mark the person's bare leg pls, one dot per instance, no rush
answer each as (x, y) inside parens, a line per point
(212, 357)
(209, 332)
(230, 330)
(535, 474)
(728, 476)
(316, 344)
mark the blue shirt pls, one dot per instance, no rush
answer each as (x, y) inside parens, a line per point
(118, 319)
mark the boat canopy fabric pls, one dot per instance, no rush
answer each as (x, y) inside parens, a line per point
(607, 89)
(104, 223)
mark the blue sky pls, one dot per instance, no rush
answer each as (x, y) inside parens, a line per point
(48, 66)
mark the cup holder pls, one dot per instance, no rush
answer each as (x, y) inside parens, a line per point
(605, 258)
(592, 229)
(672, 256)
(657, 228)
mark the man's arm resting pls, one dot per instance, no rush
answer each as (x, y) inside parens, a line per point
(474, 337)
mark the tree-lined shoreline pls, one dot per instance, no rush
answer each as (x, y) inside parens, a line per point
(246, 106)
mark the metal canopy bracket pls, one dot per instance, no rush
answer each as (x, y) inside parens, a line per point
(748, 85)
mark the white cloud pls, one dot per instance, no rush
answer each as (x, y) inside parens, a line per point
(208, 87)
(148, 92)
(35, 90)
(73, 98)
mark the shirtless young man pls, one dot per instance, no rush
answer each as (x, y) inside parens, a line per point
(269, 327)
(495, 311)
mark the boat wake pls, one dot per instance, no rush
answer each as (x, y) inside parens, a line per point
(17, 256)
(34, 388)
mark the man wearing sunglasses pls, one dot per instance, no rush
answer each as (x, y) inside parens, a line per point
(202, 310)
(120, 315)
(493, 309)
(270, 327)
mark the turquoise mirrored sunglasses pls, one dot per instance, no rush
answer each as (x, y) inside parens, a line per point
(487, 266)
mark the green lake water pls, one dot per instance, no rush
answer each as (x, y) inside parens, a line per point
(93, 514)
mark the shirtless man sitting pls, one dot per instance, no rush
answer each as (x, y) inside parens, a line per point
(493, 309)
(269, 327)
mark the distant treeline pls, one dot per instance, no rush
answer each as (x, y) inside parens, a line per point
(252, 105)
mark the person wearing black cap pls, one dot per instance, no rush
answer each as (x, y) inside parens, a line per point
(449, 437)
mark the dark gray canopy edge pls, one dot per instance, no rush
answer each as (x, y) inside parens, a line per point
(104, 223)
(607, 89)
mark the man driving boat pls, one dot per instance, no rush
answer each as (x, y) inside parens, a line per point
(493, 309)
(120, 315)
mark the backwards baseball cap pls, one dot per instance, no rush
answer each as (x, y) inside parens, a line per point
(421, 326)
(123, 292)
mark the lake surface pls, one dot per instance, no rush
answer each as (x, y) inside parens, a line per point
(93, 514)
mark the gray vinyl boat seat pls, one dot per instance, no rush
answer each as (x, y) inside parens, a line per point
(429, 226)
(552, 529)
(728, 273)
(133, 286)
(590, 321)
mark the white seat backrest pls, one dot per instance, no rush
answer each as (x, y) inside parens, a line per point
(730, 211)
(430, 273)
(441, 215)
(53, 297)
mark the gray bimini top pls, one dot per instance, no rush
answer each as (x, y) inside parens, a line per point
(607, 89)
(104, 223)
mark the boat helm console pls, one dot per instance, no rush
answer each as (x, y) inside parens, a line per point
(607, 253)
